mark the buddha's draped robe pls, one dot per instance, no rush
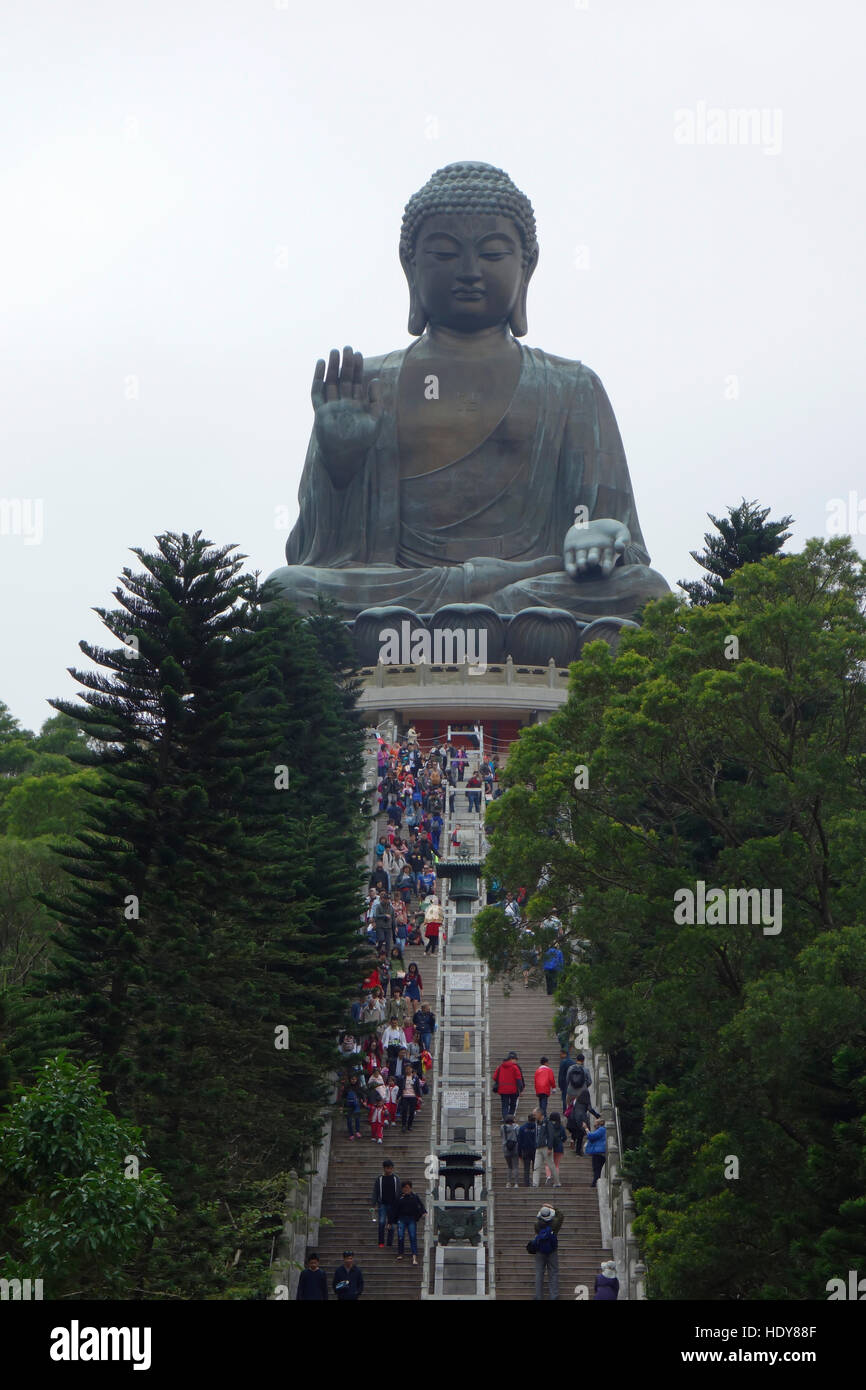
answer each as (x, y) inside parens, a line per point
(487, 527)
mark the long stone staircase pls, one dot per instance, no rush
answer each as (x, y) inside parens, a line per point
(522, 1024)
(346, 1222)
(353, 1167)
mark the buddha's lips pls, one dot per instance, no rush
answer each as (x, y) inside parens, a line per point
(468, 294)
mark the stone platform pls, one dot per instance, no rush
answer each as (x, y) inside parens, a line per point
(528, 693)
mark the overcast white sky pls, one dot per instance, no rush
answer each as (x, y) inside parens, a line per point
(199, 199)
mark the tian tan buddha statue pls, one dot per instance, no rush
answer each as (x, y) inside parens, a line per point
(468, 474)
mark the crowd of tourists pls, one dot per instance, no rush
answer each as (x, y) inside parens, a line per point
(386, 1060)
(386, 1064)
(540, 1141)
(537, 1146)
(417, 786)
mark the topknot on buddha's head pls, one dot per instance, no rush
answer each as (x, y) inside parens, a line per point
(469, 187)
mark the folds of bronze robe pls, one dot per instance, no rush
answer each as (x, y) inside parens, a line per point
(488, 527)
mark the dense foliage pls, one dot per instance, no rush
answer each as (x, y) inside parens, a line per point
(78, 1200)
(737, 771)
(206, 923)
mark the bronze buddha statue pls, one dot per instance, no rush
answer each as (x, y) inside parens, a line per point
(467, 468)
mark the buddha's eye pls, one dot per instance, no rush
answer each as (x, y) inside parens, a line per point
(493, 255)
(445, 255)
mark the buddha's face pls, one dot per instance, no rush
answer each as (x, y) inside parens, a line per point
(468, 270)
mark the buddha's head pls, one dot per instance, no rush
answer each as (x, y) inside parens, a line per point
(468, 249)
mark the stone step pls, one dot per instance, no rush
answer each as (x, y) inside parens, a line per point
(522, 1023)
(353, 1166)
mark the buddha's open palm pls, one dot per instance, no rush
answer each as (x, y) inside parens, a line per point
(595, 545)
(348, 414)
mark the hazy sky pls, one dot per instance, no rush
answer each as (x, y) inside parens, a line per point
(199, 199)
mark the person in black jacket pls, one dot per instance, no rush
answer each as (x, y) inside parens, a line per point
(386, 1193)
(313, 1283)
(408, 1211)
(581, 1107)
(384, 923)
(348, 1280)
(565, 1065)
(398, 1070)
(425, 1021)
(526, 1148)
(578, 1077)
(379, 878)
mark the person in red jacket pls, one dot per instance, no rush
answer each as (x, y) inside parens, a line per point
(544, 1084)
(509, 1082)
(378, 1112)
(373, 980)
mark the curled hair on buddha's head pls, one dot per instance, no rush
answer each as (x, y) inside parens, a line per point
(467, 188)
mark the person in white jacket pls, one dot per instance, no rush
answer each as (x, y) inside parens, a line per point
(393, 1038)
(433, 918)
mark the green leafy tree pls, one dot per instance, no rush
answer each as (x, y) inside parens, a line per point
(728, 1038)
(52, 804)
(10, 728)
(77, 1203)
(28, 869)
(744, 537)
(62, 734)
(43, 795)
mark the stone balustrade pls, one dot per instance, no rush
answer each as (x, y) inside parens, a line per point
(616, 1201)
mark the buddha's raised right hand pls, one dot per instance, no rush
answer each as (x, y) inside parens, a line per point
(348, 415)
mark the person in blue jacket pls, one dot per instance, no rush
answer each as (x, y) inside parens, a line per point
(554, 964)
(606, 1283)
(596, 1148)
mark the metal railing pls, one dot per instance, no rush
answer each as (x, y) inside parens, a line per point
(432, 1274)
(438, 1039)
(487, 1121)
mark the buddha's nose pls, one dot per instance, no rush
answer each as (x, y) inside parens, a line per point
(469, 272)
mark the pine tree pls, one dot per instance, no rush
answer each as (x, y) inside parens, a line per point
(282, 994)
(154, 858)
(745, 537)
(302, 799)
(211, 937)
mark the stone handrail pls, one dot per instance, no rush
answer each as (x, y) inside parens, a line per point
(302, 1211)
(616, 1201)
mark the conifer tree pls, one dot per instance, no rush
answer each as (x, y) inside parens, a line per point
(744, 537)
(153, 860)
(211, 936)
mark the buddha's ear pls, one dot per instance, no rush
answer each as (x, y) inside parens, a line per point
(417, 312)
(519, 323)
